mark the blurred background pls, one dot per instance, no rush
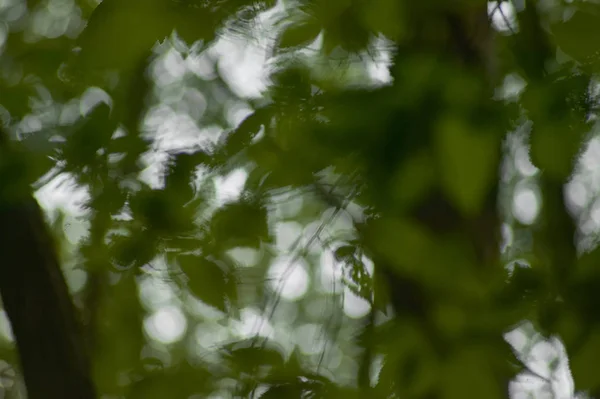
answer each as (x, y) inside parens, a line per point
(207, 169)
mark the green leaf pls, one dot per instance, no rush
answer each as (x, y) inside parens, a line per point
(344, 252)
(209, 281)
(468, 162)
(570, 34)
(385, 16)
(300, 33)
(179, 178)
(109, 40)
(467, 375)
(291, 391)
(118, 319)
(87, 137)
(193, 23)
(134, 250)
(252, 356)
(241, 137)
(240, 224)
(553, 150)
(177, 382)
(163, 212)
(585, 375)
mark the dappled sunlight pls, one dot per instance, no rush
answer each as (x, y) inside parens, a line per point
(210, 335)
(166, 325)
(286, 235)
(525, 204)
(503, 16)
(251, 324)
(354, 306)
(62, 192)
(309, 339)
(228, 188)
(154, 292)
(57, 18)
(289, 278)
(331, 273)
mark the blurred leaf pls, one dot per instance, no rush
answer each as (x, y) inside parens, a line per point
(88, 139)
(468, 164)
(179, 177)
(385, 16)
(118, 314)
(559, 110)
(240, 138)
(240, 224)
(209, 281)
(284, 391)
(585, 21)
(300, 33)
(553, 150)
(583, 374)
(193, 23)
(109, 42)
(344, 252)
(249, 356)
(163, 212)
(134, 250)
(346, 31)
(469, 368)
(181, 381)
(526, 281)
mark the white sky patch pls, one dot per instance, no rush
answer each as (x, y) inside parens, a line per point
(173, 130)
(63, 193)
(170, 69)
(252, 323)
(249, 80)
(236, 112)
(201, 64)
(246, 257)
(594, 220)
(512, 86)
(577, 194)
(210, 335)
(155, 292)
(523, 162)
(289, 277)
(355, 307)
(331, 272)
(76, 279)
(166, 325)
(154, 162)
(286, 235)
(379, 68)
(193, 103)
(525, 204)
(503, 16)
(229, 188)
(91, 98)
(310, 339)
(5, 327)
(287, 205)
(590, 160)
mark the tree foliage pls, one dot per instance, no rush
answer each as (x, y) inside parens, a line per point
(375, 242)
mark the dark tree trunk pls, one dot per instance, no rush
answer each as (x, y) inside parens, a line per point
(35, 296)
